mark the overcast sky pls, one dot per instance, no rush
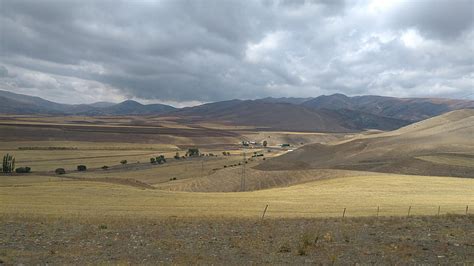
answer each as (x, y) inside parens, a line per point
(188, 52)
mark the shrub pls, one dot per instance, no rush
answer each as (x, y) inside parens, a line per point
(105, 167)
(81, 168)
(193, 152)
(60, 171)
(265, 143)
(23, 170)
(103, 226)
(152, 160)
(123, 162)
(173, 178)
(160, 159)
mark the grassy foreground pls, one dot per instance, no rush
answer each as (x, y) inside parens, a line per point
(444, 240)
(326, 198)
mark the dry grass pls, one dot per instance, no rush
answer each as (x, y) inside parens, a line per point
(446, 240)
(361, 195)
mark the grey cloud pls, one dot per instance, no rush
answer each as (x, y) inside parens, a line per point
(436, 18)
(3, 71)
(183, 51)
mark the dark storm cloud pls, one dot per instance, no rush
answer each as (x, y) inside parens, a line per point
(182, 51)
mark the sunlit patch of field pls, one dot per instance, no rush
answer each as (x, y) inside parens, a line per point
(360, 195)
(450, 159)
(275, 138)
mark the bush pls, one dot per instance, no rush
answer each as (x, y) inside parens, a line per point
(60, 171)
(23, 170)
(102, 226)
(173, 178)
(105, 167)
(160, 159)
(152, 160)
(193, 152)
(81, 168)
(123, 162)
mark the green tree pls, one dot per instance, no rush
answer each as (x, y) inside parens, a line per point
(193, 152)
(8, 163)
(265, 143)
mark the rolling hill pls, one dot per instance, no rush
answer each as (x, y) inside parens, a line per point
(440, 145)
(408, 109)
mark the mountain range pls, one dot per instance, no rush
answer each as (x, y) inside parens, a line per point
(333, 113)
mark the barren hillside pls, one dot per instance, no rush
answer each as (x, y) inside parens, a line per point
(411, 150)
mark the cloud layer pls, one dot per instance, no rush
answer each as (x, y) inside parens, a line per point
(187, 52)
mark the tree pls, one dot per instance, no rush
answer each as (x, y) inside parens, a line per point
(161, 159)
(152, 160)
(8, 163)
(123, 161)
(81, 168)
(105, 167)
(265, 143)
(193, 152)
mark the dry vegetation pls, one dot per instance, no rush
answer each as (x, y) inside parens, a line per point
(193, 211)
(444, 240)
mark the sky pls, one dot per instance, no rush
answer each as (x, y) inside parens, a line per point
(187, 52)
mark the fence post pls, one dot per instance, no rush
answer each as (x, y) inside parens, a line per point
(344, 213)
(264, 211)
(378, 210)
(409, 209)
(439, 209)
(467, 209)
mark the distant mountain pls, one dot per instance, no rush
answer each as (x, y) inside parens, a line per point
(408, 109)
(261, 114)
(23, 104)
(102, 104)
(333, 113)
(130, 107)
(13, 103)
(12, 106)
(291, 100)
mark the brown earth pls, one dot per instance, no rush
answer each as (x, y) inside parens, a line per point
(445, 240)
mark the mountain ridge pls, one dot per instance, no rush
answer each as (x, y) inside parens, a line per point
(325, 113)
